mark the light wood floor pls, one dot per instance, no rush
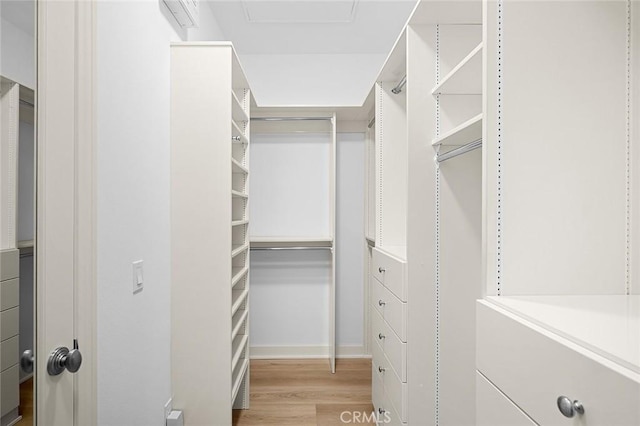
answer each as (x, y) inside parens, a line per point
(26, 403)
(305, 393)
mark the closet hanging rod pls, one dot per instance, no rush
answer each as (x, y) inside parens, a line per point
(291, 118)
(371, 123)
(399, 86)
(459, 151)
(27, 104)
(292, 248)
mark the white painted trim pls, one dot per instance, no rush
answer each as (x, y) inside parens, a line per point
(298, 352)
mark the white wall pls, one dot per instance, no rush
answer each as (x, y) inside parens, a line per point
(133, 210)
(314, 79)
(17, 60)
(289, 289)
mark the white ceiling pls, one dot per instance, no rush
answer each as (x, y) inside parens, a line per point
(312, 26)
(20, 13)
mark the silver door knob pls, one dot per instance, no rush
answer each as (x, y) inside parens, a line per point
(569, 408)
(26, 361)
(62, 358)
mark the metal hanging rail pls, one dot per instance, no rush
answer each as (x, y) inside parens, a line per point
(459, 151)
(371, 123)
(292, 248)
(291, 118)
(399, 86)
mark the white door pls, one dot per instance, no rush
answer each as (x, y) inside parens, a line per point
(65, 237)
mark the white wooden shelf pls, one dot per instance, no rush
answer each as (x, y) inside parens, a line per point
(239, 222)
(608, 325)
(238, 378)
(237, 249)
(237, 134)
(238, 113)
(238, 194)
(284, 242)
(237, 167)
(239, 319)
(469, 131)
(238, 274)
(238, 297)
(238, 346)
(465, 78)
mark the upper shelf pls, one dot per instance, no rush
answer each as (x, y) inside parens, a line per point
(465, 78)
(284, 242)
(238, 113)
(469, 131)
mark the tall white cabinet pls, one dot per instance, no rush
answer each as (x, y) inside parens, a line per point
(562, 309)
(210, 104)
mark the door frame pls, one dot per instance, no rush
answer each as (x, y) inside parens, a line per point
(67, 30)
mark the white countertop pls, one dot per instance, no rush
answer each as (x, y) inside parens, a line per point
(607, 325)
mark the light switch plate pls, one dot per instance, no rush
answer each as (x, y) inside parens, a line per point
(138, 276)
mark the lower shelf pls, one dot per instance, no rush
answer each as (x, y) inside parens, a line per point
(238, 377)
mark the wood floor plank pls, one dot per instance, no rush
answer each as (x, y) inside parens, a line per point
(343, 414)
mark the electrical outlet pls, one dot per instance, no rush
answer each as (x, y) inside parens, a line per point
(138, 276)
(168, 407)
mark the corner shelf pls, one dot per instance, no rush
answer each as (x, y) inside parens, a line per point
(466, 132)
(465, 78)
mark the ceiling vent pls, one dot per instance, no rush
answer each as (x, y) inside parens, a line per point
(300, 11)
(185, 12)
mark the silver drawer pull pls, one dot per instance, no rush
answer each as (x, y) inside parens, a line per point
(380, 336)
(569, 408)
(381, 303)
(381, 370)
(381, 411)
(381, 270)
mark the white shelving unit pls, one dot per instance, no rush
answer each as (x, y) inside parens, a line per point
(465, 78)
(469, 131)
(210, 205)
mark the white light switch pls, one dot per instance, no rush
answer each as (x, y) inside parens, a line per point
(138, 276)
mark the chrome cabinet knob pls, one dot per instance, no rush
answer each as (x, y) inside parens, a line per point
(380, 336)
(62, 358)
(381, 411)
(381, 270)
(381, 370)
(26, 361)
(381, 303)
(569, 408)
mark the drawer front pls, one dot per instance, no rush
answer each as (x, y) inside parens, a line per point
(9, 264)
(390, 308)
(396, 391)
(534, 367)
(9, 323)
(493, 408)
(9, 353)
(391, 272)
(393, 348)
(10, 391)
(386, 414)
(9, 294)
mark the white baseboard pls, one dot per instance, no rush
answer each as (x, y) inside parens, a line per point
(298, 352)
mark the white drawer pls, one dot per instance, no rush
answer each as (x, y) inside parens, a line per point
(9, 294)
(393, 348)
(9, 353)
(9, 323)
(396, 391)
(10, 390)
(391, 308)
(9, 264)
(493, 408)
(391, 272)
(386, 414)
(533, 367)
